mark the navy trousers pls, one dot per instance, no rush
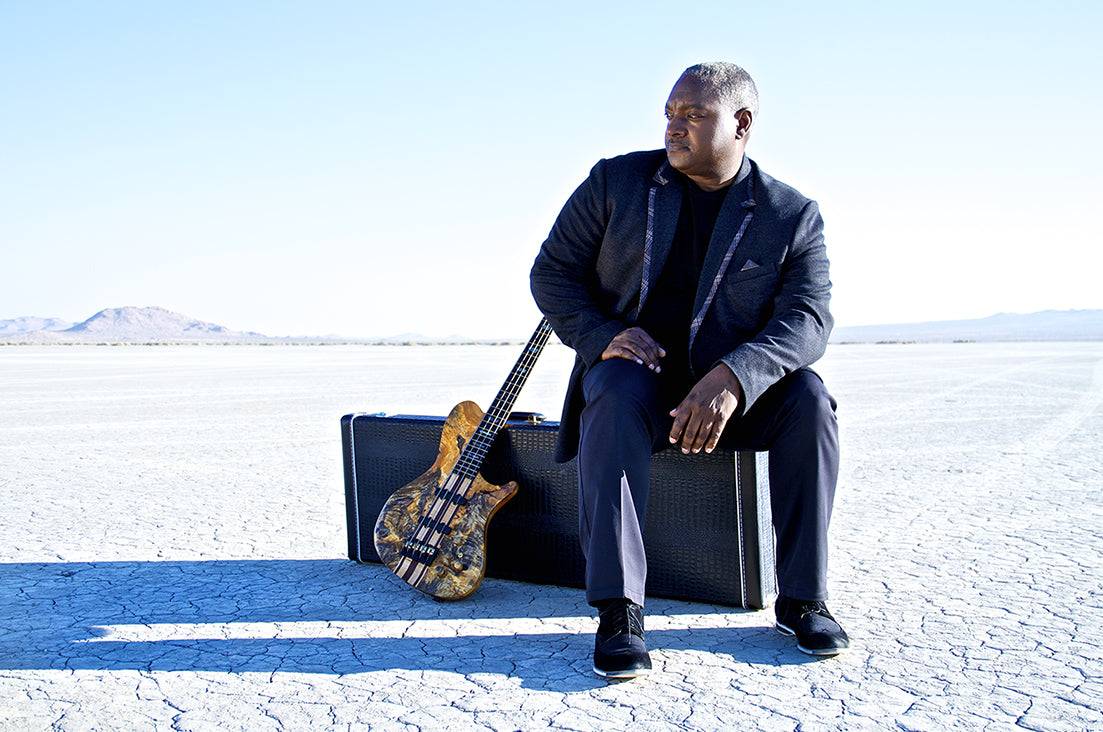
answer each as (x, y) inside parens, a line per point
(626, 419)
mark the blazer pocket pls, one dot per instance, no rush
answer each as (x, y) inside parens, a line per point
(764, 270)
(745, 297)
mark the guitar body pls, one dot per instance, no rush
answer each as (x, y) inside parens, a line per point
(459, 563)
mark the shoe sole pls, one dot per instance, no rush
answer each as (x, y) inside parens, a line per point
(810, 651)
(630, 674)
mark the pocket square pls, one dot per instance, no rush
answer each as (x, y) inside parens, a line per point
(751, 264)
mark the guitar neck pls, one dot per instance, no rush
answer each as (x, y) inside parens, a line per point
(471, 459)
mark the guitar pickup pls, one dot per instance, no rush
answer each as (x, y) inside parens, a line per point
(437, 526)
(419, 552)
(453, 497)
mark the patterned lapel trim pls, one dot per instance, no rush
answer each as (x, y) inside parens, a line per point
(699, 318)
(660, 176)
(648, 241)
(649, 235)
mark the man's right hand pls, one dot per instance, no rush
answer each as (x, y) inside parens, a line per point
(636, 345)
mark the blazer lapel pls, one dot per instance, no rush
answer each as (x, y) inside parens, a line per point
(663, 204)
(731, 228)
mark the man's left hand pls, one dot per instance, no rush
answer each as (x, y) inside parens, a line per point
(703, 414)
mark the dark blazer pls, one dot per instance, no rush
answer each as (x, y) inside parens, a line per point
(762, 301)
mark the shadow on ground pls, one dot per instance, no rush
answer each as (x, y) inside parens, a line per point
(68, 615)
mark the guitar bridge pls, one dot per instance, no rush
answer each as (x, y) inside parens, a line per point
(419, 551)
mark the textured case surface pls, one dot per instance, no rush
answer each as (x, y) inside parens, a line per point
(717, 547)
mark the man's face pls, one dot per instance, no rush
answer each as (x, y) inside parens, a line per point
(704, 140)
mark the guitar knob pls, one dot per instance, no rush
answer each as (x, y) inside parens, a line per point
(458, 563)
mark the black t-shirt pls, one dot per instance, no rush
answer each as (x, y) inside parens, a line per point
(668, 312)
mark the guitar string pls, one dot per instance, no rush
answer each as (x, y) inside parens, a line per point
(442, 509)
(496, 416)
(475, 451)
(499, 411)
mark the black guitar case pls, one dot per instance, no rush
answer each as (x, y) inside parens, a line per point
(716, 548)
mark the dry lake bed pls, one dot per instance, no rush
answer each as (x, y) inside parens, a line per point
(172, 555)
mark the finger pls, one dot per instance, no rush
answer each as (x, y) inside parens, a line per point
(696, 436)
(622, 346)
(644, 338)
(654, 353)
(634, 344)
(621, 349)
(714, 438)
(638, 354)
(691, 423)
(629, 352)
(646, 347)
(643, 354)
(678, 426)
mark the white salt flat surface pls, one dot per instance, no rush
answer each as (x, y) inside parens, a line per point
(172, 555)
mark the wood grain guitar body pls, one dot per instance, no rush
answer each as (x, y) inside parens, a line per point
(432, 531)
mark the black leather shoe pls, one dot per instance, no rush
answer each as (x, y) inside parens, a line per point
(619, 650)
(818, 634)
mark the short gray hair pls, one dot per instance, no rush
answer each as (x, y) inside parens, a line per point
(733, 86)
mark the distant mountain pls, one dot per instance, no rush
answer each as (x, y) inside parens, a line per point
(158, 325)
(1048, 325)
(31, 324)
(133, 325)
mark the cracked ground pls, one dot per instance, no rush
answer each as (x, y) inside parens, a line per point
(172, 555)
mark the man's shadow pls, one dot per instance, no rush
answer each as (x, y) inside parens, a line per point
(303, 616)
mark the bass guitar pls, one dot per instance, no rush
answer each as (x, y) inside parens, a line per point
(432, 531)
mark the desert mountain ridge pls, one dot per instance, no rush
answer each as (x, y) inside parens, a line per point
(30, 324)
(157, 325)
(123, 325)
(146, 325)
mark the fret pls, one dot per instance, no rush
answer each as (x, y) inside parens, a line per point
(495, 417)
(437, 541)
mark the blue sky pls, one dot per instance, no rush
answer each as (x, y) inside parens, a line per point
(369, 169)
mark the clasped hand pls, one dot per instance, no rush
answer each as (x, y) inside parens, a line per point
(701, 417)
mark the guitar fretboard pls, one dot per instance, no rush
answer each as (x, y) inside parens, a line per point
(421, 547)
(471, 459)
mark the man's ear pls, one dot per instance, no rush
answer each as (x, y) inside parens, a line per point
(743, 119)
